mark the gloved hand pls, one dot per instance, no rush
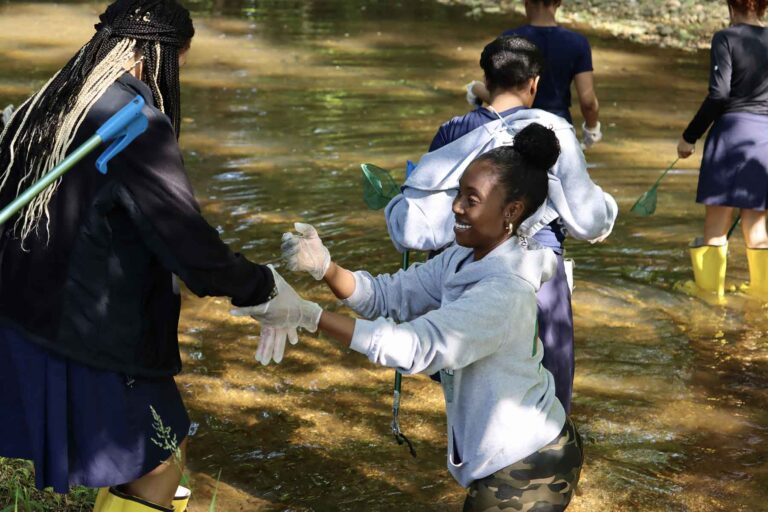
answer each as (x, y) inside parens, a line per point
(286, 310)
(272, 343)
(472, 98)
(305, 251)
(279, 318)
(590, 136)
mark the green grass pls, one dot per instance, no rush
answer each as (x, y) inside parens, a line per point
(18, 492)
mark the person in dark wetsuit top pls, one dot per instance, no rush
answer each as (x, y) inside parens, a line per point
(734, 166)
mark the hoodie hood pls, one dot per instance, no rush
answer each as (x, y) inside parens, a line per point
(440, 170)
(518, 257)
(421, 217)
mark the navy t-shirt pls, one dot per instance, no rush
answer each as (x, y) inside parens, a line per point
(549, 236)
(459, 126)
(566, 54)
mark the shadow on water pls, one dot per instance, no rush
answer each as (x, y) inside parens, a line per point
(282, 100)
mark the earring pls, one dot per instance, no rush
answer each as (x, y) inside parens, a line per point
(510, 228)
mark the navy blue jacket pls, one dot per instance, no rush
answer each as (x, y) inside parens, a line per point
(99, 289)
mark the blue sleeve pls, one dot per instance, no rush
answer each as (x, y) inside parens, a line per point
(583, 62)
(440, 139)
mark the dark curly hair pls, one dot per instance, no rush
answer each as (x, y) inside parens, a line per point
(523, 167)
(758, 6)
(509, 62)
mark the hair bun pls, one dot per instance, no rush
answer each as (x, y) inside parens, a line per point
(538, 145)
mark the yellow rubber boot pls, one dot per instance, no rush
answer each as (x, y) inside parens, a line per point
(181, 500)
(758, 272)
(709, 263)
(110, 499)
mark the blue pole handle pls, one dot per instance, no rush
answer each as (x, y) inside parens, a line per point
(123, 128)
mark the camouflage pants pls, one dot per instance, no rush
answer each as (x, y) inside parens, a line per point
(542, 482)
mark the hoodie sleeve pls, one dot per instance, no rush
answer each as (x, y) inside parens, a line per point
(587, 212)
(421, 220)
(401, 296)
(454, 336)
(159, 197)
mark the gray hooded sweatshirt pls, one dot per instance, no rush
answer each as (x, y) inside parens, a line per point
(421, 218)
(475, 322)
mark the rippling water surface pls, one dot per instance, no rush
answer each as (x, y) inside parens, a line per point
(282, 100)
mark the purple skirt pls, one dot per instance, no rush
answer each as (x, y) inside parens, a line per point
(81, 425)
(555, 318)
(734, 167)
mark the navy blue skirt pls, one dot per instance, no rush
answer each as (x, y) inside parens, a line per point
(81, 425)
(734, 167)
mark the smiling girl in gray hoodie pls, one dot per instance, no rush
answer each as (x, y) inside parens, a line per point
(470, 313)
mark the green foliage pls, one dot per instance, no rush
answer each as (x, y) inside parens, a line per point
(18, 493)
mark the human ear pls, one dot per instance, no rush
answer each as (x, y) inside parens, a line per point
(535, 85)
(513, 213)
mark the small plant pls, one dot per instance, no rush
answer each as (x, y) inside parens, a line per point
(168, 441)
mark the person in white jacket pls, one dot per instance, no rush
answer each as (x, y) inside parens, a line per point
(470, 313)
(420, 218)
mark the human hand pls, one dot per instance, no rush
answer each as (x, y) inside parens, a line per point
(305, 251)
(685, 149)
(590, 136)
(286, 310)
(272, 343)
(474, 93)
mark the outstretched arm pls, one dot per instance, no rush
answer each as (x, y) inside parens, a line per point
(340, 328)
(585, 88)
(401, 296)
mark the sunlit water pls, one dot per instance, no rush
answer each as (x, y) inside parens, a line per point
(282, 100)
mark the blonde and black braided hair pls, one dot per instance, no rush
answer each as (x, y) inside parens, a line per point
(39, 134)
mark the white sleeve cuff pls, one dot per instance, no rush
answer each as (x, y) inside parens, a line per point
(362, 294)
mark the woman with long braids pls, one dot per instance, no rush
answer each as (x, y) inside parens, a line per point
(88, 304)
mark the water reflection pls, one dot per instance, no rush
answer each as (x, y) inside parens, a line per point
(281, 101)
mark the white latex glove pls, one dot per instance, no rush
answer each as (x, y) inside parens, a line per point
(590, 136)
(305, 251)
(272, 343)
(279, 318)
(471, 96)
(287, 310)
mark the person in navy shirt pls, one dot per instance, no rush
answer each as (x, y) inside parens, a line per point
(512, 66)
(567, 58)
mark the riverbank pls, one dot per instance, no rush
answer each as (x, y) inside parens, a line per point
(684, 24)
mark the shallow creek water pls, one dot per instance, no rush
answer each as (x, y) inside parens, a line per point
(282, 100)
